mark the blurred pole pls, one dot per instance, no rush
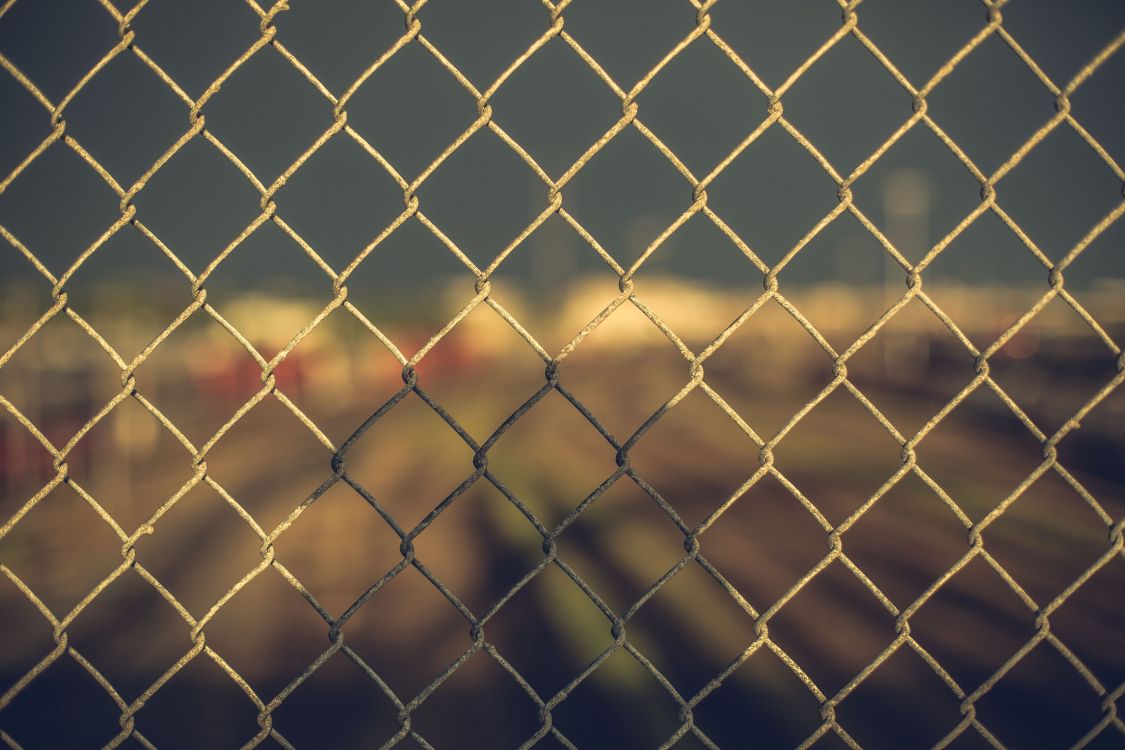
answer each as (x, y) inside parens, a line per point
(15, 458)
(906, 209)
(553, 265)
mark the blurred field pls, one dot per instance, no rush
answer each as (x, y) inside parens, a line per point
(551, 459)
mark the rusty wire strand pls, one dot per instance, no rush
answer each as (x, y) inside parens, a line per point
(703, 32)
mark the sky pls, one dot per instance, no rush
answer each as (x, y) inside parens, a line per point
(700, 105)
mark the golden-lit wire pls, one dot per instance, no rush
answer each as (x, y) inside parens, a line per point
(703, 32)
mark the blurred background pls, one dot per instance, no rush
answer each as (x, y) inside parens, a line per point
(695, 457)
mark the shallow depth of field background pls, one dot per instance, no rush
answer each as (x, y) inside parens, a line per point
(698, 282)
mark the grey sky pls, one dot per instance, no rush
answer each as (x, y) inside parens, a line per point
(701, 106)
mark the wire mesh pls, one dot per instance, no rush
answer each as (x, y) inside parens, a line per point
(631, 117)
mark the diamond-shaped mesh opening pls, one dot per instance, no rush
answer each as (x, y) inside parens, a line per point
(721, 120)
(985, 422)
(912, 367)
(409, 264)
(477, 700)
(195, 43)
(338, 703)
(651, 35)
(975, 600)
(410, 110)
(296, 631)
(768, 391)
(301, 461)
(334, 367)
(390, 629)
(549, 631)
(907, 540)
(409, 461)
(57, 231)
(695, 457)
(649, 192)
(56, 48)
(772, 194)
(514, 370)
(1094, 639)
(647, 369)
(775, 38)
(1096, 269)
(579, 459)
(338, 39)
(1044, 679)
(1058, 55)
(200, 688)
(106, 291)
(27, 465)
(131, 634)
(126, 118)
(503, 31)
(364, 547)
(294, 282)
(992, 119)
(76, 568)
(26, 635)
(71, 692)
(480, 546)
(622, 544)
(482, 222)
(764, 691)
(554, 283)
(696, 247)
(1060, 192)
(678, 282)
(263, 91)
(551, 260)
(1090, 454)
(200, 548)
(940, 192)
(198, 394)
(339, 201)
(629, 706)
(973, 259)
(691, 629)
(883, 709)
(1048, 538)
(1057, 328)
(920, 36)
(765, 542)
(831, 654)
(197, 203)
(61, 358)
(537, 108)
(24, 303)
(847, 104)
(839, 281)
(122, 449)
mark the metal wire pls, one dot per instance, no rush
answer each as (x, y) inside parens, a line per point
(703, 32)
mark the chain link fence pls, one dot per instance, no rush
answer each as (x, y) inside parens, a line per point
(1110, 728)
